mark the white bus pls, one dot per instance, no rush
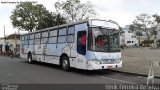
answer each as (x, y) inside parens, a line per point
(90, 45)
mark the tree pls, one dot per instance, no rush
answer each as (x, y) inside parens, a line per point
(143, 23)
(155, 25)
(74, 10)
(59, 19)
(29, 17)
(157, 18)
(132, 28)
(156, 22)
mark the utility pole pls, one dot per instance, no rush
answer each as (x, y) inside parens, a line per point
(4, 49)
(4, 34)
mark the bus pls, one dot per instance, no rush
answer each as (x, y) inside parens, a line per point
(91, 44)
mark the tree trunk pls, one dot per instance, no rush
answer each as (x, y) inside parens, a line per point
(148, 42)
(148, 38)
(155, 41)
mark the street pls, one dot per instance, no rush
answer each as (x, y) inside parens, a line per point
(17, 70)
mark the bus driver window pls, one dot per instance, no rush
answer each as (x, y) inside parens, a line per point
(81, 42)
(100, 42)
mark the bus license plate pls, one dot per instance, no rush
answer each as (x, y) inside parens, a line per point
(109, 66)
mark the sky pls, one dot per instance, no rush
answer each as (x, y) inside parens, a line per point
(121, 11)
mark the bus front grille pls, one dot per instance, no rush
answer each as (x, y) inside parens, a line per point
(108, 61)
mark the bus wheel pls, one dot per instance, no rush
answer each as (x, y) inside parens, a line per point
(65, 63)
(30, 59)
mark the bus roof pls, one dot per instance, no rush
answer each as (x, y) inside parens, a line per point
(93, 22)
(60, 26)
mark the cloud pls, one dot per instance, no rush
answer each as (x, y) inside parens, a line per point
(7, 8)
(122, 11)
(49, 4)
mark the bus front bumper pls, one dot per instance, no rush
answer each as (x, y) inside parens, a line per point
(94, 66)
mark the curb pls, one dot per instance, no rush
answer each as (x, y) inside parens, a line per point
(136, 74)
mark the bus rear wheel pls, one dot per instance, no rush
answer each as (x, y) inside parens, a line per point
(65, 63)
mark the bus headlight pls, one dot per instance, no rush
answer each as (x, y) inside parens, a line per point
(118, 60)
(97, 61)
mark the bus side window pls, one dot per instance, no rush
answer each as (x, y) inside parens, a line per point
(81, 42)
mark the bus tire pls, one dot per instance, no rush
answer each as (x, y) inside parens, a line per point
(30, 61)
(65, 64)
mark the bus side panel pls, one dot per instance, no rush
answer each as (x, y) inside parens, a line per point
(64, 48)
(67, 48)
(72, 52)
(38, 52)
(24, 51)
(21, 49)
(51, 54)
(51, 49)
(31, 49)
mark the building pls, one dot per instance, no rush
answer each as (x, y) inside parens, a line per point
(128, 38)
(10, 42)
(154, 40)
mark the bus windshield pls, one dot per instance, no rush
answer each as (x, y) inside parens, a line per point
(103, 40)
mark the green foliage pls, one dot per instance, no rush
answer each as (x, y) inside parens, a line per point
(143, 23)
(147, 24)
(156, 23)
(157, 18)
(74, 10)
(29, 17)
(138, 33)
(132, 28)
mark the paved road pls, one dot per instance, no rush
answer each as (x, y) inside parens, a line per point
(19, 71)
